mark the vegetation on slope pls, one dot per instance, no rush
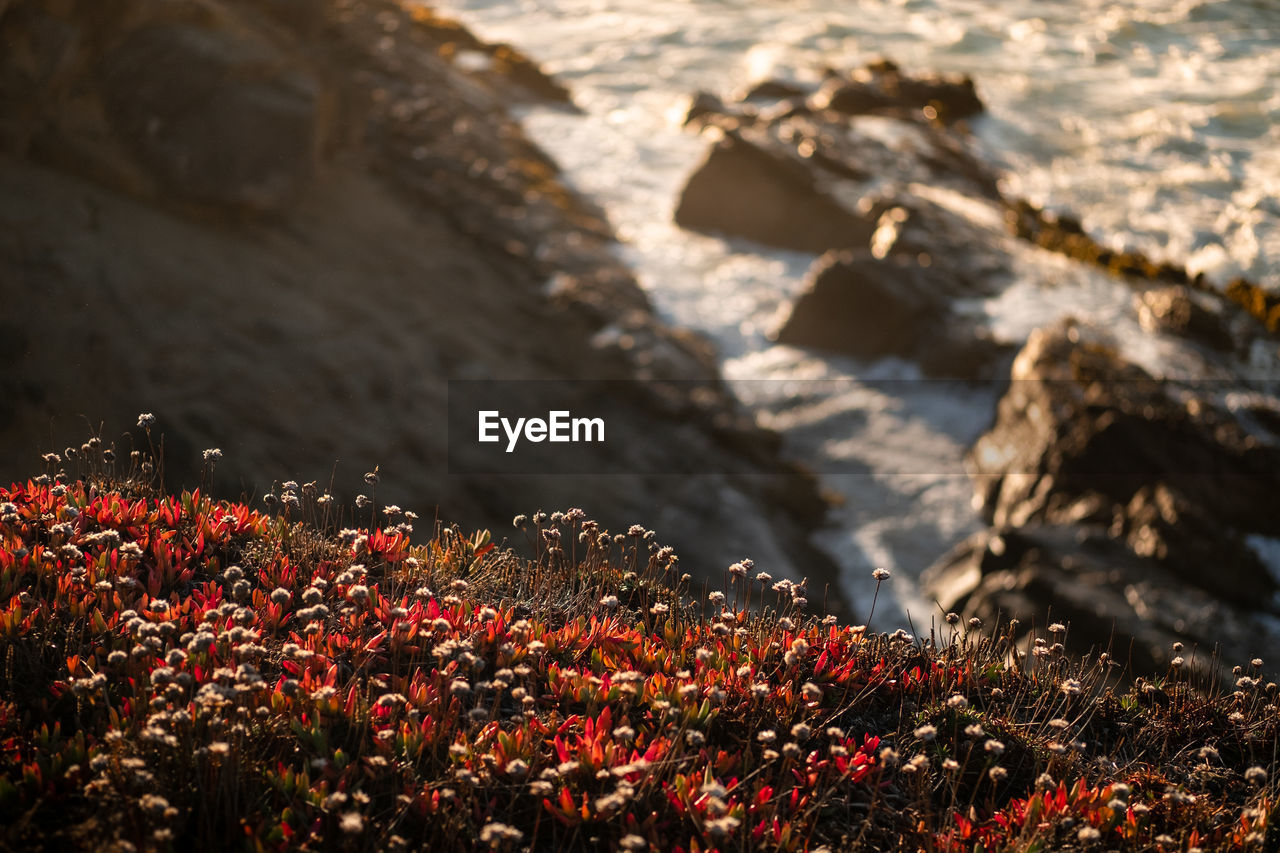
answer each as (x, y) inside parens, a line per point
(180, 673)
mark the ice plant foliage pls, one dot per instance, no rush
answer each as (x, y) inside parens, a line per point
(184, 673)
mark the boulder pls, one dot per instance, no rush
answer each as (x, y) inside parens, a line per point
(904, 296)
(704, 106)
(868, 307)
(743, 188)
(773, 90)
(851, 98)
(1177, 310)
(911, 226)
(788, 176)
(913, 219)
(812, 182)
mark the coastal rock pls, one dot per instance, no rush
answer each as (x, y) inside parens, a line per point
(1093, 458)
(745, 189)
(915, 214)
(851, 98)
(253, 99)
(1110, 599)
(703, 105)
(906, 294)
(1243, 310)
(811, 182)
(882, 87)
(497, 65)
(858, 304)
(858, 165)
(1177, 310)
(772, 90)
(1261, 304)
(1082, 432)
(878, 88)
(806, 176)
(1164, 487)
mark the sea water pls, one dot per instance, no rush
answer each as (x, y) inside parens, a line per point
(1154, 121)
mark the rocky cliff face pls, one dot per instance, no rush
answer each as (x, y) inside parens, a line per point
(282, 226)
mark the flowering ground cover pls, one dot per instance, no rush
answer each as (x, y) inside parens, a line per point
(183, 673)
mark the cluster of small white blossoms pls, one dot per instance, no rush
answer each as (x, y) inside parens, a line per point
(126, 773)
(795, 590)
(495, 834)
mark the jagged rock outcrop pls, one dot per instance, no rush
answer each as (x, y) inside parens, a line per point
(817, 180)
(1084, 435)
(1110, 599)
(1112, 493)
(880, 161)
(798, 176)
(1147, 496)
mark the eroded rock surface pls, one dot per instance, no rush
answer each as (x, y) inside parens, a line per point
(1178, 310)
(1132, 504)
(1110, 599)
